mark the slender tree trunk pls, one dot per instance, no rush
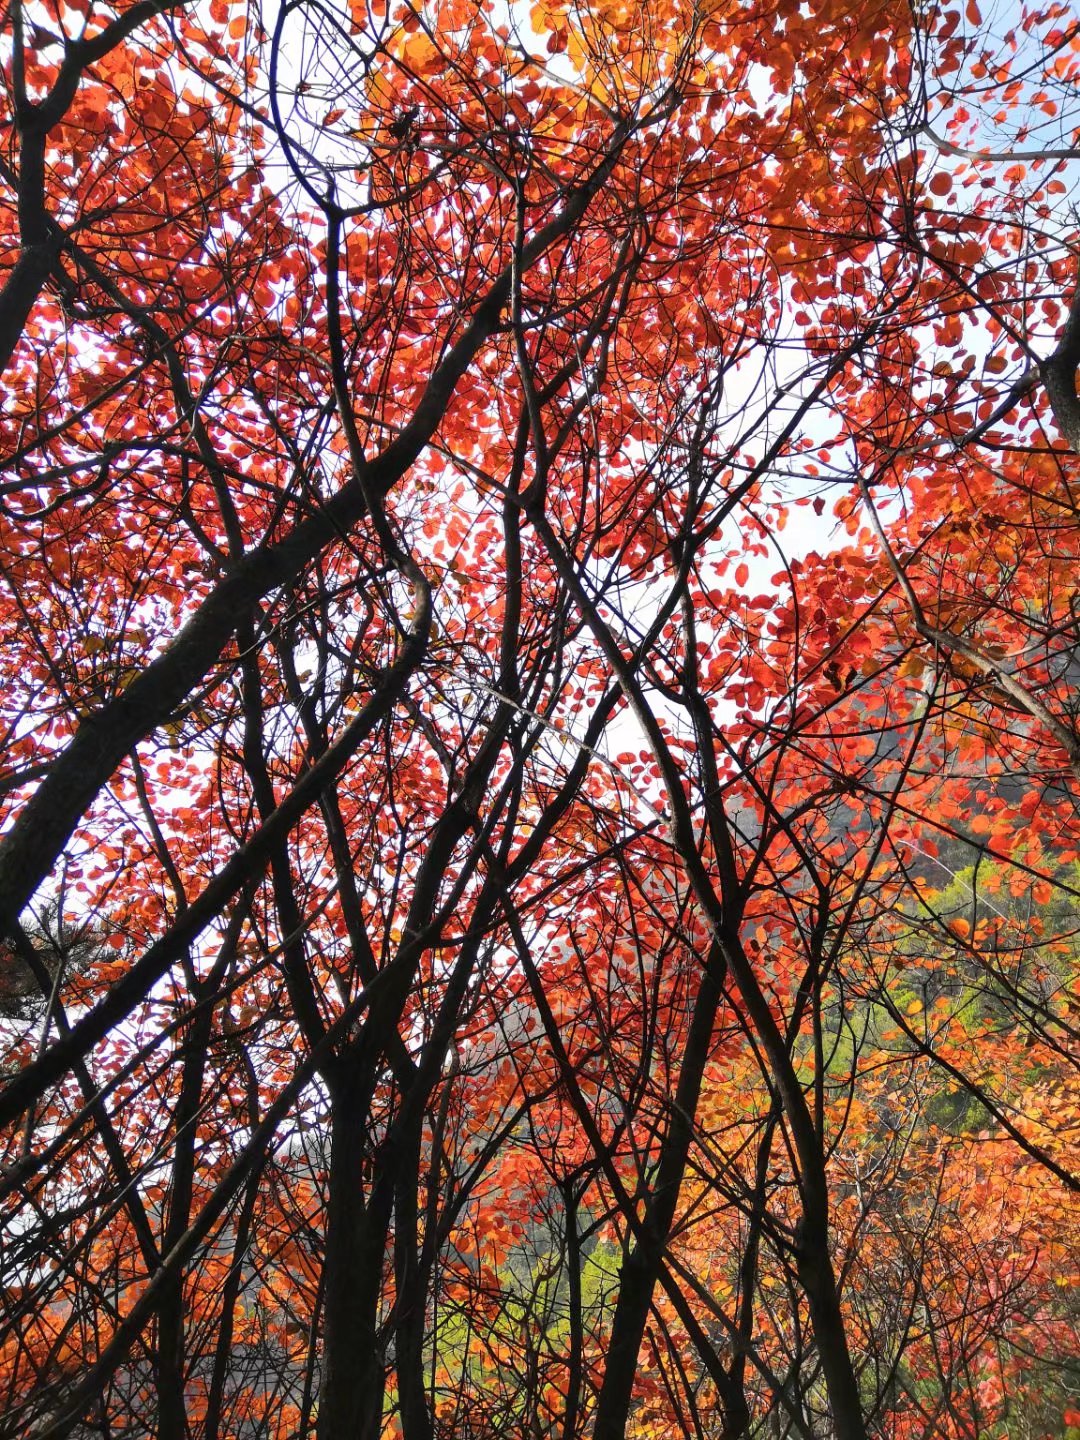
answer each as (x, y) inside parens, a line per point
(170, 1358)
(353, 1372)
(641, 1269)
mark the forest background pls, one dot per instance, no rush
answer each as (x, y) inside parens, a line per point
(541, 641)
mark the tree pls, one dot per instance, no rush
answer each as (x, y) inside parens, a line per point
(505, 892)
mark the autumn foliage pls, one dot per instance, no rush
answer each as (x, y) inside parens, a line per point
(540, 856)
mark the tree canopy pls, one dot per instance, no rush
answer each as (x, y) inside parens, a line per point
(539, 847)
